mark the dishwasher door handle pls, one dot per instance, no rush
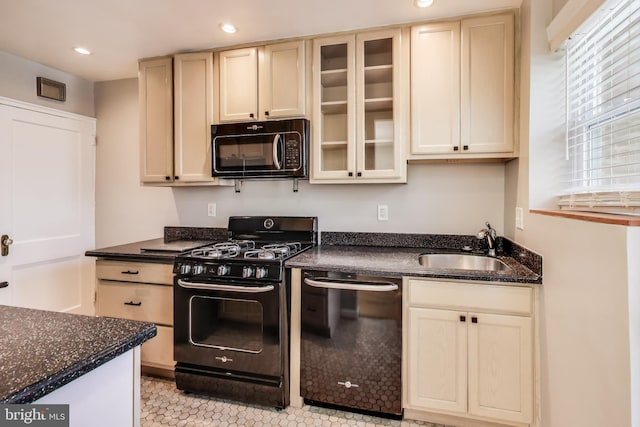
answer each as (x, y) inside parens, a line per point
(352, 286)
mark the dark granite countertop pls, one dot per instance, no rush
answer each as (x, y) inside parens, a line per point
(163, 249)
(364, 253)
(40, 351)
(154, 250)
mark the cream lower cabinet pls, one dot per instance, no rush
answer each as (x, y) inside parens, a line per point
(140, 291)
(468, 351)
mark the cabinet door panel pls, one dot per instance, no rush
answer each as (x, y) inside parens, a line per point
(158, 351)
(239, 85)
(500, 367)
(378, 97)
(334, 108)
(283, 80)
(435, 88)
(155, 86)
(193, 116)
(487, 74)
(437, 352)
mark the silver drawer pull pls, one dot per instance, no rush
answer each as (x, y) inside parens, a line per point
(224, 359)
(347, 384)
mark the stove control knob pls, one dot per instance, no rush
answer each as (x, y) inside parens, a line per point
(247, 272)
(185, 269)
(198, 269)
(261, 272)
(223, 270)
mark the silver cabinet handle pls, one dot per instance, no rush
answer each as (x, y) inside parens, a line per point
(224, 359)
(360, 286)
(231, 288)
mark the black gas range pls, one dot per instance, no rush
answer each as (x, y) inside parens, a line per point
(255, 250)
(231, 310)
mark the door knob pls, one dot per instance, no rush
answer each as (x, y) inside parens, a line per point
(5, 241)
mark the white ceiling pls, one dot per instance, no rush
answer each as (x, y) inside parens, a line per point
(118, 32)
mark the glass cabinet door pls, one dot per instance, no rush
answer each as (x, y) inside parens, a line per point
(376, 130)
(334, 116)
(378, 104)
(358, 108)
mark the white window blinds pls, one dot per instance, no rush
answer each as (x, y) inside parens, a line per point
(603, 110)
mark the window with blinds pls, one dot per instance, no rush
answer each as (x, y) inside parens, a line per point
(603, 111)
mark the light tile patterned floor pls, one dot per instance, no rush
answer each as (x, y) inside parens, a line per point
(164, 405)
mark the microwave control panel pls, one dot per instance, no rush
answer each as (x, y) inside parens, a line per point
(292, 154)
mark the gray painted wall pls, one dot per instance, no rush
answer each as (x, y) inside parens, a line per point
(18, 81)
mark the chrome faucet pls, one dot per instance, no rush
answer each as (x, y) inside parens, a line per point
(489, 234)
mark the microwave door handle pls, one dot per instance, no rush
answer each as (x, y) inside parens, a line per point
(276, 146)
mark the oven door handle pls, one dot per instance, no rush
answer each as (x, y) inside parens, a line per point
(232, 288)
(276, 151)
(352, 286)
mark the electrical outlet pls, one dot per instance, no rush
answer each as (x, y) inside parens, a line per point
(383, 212)
(519, 219)
(211, 209)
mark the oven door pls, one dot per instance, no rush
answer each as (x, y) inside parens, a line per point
(231, 327)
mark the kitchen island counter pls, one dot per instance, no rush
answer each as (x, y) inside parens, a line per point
(41, 351)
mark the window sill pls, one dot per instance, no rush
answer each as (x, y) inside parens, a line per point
(602, 218)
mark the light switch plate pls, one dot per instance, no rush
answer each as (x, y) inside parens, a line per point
(211, 209)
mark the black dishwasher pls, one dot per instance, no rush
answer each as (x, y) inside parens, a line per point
(351, 344)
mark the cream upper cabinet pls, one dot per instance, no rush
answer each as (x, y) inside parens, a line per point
(435, 88)
(468, 351)
(261, 83)
(176, 113)
(283, 80)
(155, 97)
(193, 116)
(462, 89)
(238, 94)
(359, 116)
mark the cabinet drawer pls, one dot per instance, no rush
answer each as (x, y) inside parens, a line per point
(148, 303)
(469, 296)
(128, 271)
(158, 351)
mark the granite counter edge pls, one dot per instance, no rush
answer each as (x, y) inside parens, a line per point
(42, 388)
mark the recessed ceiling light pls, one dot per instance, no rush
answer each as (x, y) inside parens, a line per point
(228, 28)
(82, 51)
(423, 3)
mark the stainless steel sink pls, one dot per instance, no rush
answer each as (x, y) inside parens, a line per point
(462, 262)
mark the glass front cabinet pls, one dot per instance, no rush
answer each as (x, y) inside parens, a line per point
(360, 88)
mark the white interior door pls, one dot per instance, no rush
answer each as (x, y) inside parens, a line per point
(47, 207)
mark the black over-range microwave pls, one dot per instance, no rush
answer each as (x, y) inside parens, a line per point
(268, 149)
